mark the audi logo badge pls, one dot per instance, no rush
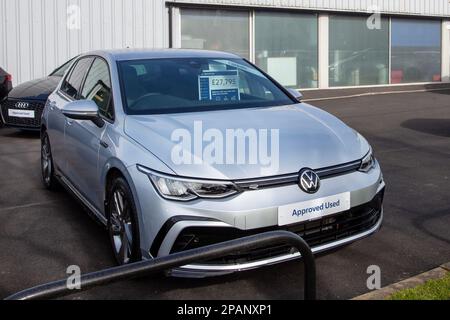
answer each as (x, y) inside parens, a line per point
(309, 181)
(22, 105)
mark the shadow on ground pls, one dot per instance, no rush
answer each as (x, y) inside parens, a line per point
(22, 134)
(440, 89)
(436, 127)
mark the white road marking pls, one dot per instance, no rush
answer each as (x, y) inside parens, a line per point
(36, 204)
(374, 94)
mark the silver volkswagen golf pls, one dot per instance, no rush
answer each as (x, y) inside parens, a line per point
(176, 149)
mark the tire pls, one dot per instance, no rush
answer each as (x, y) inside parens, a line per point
(47, 165)
(123, 228)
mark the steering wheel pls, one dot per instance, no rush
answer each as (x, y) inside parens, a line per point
(142, 98)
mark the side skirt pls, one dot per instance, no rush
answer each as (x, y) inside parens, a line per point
(92, 211)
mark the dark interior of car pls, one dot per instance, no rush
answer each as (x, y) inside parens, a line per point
(168, 84)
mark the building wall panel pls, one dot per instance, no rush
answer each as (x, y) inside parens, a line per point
(416, 7)
(35, 38)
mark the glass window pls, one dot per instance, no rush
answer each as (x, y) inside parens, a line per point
(97, 88)
(216, 30)
(62, 69)
(196, 84)
(72, 83)
(358, 55)
(286, 47)
(416, 50)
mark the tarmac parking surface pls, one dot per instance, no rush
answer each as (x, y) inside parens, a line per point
(42, 233)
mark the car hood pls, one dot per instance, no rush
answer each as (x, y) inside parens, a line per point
(308, 138)
(38, 89)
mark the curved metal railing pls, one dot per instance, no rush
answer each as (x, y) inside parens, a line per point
(147, 267)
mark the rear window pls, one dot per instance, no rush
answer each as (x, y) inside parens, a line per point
(197, 84)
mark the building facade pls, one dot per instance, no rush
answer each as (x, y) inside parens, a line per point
(305, 44)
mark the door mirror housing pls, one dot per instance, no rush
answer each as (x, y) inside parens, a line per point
(83, 110)
(296, 94)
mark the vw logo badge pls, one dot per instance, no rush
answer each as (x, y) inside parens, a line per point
(309, 181)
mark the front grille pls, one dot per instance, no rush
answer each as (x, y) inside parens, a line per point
(36, 106)
(316, 233)
(289, 179)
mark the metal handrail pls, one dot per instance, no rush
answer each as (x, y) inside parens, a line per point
(146, 267)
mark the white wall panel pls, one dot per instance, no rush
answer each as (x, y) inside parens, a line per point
(35, 39)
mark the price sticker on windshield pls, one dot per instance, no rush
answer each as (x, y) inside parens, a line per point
(219, 86)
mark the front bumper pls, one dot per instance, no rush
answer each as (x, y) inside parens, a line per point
(22, 123)
(202, 271)
(334, 239)
(248, 213)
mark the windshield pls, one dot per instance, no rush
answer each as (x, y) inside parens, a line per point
(195, 84)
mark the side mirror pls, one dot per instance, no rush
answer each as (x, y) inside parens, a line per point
(81, 110)
(296, 94)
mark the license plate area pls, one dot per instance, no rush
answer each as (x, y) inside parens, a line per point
(313, 209)
(17, 113)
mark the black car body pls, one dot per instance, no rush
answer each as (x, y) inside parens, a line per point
(24, 104)
(5, 83)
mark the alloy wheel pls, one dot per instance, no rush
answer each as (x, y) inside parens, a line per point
(46, 160)
(120, 227)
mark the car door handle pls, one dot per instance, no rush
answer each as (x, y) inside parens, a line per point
(104, 144)
(69, 121)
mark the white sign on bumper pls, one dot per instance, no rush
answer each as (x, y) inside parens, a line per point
(313, 210)
(21, 113)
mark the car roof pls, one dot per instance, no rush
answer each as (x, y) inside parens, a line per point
(142, 54)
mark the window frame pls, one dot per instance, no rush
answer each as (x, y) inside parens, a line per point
(175, 29)
(111, 98)
(387, 21)
(69, 74)
(175, 13)
(254, 13)
(441, 49)
(250, 20)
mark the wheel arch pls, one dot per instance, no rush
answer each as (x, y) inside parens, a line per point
(111, 170)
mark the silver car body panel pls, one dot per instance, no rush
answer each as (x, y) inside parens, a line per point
(297, 124)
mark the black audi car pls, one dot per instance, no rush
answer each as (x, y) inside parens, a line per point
(23, 106)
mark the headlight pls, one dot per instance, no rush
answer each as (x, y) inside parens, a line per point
(368, 163)
(182, 189)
